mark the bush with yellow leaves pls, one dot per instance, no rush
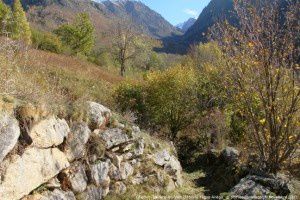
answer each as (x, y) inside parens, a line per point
(167, 99)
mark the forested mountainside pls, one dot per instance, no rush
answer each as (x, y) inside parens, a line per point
(49, 14)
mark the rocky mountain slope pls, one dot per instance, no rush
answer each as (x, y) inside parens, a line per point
(149, 21)
(56, 159)
(186, 25)
(49, 14)
(215, 11)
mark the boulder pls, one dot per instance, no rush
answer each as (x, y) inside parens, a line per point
(114, 137)
(126, 170)
(77, 178)
(249, 188)
(76, 141)
(162, 157)
(98, 114)
(99, 173)
(254, 185)
(230, 155)
(92, 193)
(174, 169)
(57, 194)
(33, 168)
(49, 132)
(9, 134)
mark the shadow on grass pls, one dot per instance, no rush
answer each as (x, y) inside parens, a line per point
(219, 176)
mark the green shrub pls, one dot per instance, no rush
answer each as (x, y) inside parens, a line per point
(46, 41)
(172, 98)
(130, 96)
(167, 99)
(101, 58)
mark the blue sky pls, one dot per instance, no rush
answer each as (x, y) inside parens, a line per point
(177, 11)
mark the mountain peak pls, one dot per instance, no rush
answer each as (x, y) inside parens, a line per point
(186, 25)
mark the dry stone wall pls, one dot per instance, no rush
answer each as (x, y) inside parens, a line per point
(80, 160)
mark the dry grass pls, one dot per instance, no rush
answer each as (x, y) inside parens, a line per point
(54, 80)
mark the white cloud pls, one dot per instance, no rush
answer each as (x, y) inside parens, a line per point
(191, 12)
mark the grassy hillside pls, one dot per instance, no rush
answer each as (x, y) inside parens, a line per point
(43, 77)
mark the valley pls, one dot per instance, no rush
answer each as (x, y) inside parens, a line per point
(107, 99)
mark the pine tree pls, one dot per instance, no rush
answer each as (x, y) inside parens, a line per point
(20, 28)
(5, 16)
(85, 33)
(79, 36)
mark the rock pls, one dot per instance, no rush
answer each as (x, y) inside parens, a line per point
(173, 165)
(162, 157)
(277, 185)
(230, 155)
(126, 170)
(114, 137)
(33, 197)
(9, 134)
(136, 129)
(128, 156)
(92, 193)
(128, 147)
(77, 178)
(138, 179)
(119, 188)
(33, 168)
(174, 169)
(58, 195)
(55, 195)
(120, 125)
(99, 173)
(80, 134)
(249, 188)
(117, 160)
(139, 150)
(49, 132)
(115, 149)
(253, 185)
(53, 183)
(114, 173)
(136, 163)
(98, 114)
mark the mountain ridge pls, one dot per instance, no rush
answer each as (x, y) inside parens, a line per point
(49, 14)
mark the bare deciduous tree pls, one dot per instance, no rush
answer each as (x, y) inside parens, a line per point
(264, 69)
(124, 44)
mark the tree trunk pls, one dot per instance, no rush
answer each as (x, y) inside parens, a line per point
(122, 72)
